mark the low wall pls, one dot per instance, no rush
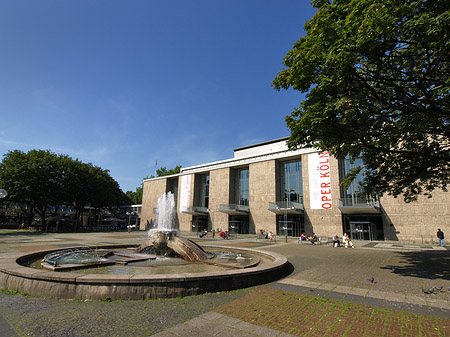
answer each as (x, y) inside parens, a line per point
(50, 284)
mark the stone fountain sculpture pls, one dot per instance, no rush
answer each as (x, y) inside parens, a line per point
(163, 240)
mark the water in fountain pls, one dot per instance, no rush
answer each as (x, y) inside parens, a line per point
(163, 239)
(166, 214)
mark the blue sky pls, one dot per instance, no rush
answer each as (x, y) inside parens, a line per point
(123, 84)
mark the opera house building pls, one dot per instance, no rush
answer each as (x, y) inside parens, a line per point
(267, 187)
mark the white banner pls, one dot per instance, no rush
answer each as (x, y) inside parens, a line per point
(185, 194)
(320, 180)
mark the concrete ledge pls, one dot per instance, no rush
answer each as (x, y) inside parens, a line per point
(52, 284)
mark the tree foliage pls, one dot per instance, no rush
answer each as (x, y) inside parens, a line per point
(161, 172)
(44, 180)
(376, 78)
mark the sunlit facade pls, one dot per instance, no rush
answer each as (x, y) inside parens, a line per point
(266, 187)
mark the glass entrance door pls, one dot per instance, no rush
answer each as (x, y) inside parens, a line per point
(361, 230)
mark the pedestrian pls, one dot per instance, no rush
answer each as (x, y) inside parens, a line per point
(440, 235)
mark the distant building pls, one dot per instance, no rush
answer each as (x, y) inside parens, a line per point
(268, 187)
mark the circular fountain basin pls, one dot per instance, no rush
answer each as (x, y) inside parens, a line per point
(127, 283)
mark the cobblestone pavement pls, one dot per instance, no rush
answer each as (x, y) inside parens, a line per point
(373, 290)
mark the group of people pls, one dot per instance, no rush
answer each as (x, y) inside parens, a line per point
(269, 235)
(336, 241)
(313, 238)
(347, 241)
(222, 234)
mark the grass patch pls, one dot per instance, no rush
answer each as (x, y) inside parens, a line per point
(10, 292)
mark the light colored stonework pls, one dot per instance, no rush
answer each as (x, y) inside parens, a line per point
(153, 189)
(417, 221)
(262, 191)
(219, 194)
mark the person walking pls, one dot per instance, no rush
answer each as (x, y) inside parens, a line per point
(440, 235)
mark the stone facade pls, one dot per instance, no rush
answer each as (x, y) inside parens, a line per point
(153, 189)
(416, 221)
(262, 190)
(392, 220)
(219, 194)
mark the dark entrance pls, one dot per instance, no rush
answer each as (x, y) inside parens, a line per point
(199, 223)
(364, 227)
(238, 224)
(293, 224)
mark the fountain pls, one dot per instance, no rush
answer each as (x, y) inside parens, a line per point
(163, 239)
(82, 272)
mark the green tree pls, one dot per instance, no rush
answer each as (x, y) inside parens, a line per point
(35, 179)
(44, 180)
(136, 196)
(161, 172)
(376, 78)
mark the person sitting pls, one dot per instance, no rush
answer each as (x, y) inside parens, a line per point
(303, 237)
(271, 236)
(348, 241)
(204, 233)
(313, 239)
(336, 241)
(262, 234)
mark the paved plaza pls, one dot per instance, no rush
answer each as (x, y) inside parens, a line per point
(372, 290)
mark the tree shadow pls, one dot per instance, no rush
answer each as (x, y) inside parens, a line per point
(24, 233)
(424, 264)
(390, 232)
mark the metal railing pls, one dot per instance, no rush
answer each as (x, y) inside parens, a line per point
(282, 205)
(234, 207)
(359, 202)
(196, 209)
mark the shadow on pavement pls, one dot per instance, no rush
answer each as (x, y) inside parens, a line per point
(423, 264)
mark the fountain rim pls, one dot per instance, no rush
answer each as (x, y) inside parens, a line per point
(12, 266)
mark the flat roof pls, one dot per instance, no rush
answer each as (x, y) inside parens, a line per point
(260, 144)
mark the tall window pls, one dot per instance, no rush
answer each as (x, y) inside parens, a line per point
(173, 187)
(354, 188)
(204, 190)
(291, 182)
(242, 182)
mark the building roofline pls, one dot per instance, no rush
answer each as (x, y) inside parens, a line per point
(260, 144)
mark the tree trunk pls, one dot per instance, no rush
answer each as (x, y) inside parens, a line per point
(41, 212)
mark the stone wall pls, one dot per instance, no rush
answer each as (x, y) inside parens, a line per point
(219, 194)
(416, 221)
(152, 190)
(262, 190)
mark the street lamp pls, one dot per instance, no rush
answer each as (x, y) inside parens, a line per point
(3, 193)
(129, 220)
(285, 220)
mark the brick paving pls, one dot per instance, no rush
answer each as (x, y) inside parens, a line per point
(328, 293)
(307, 315)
